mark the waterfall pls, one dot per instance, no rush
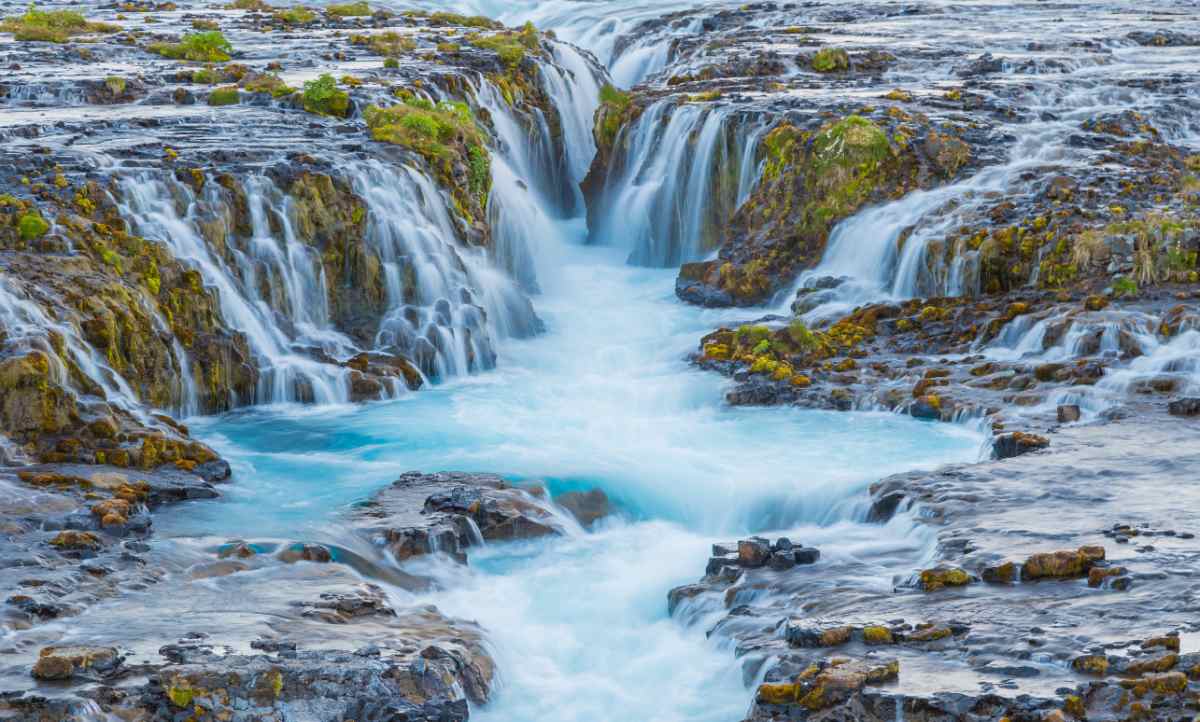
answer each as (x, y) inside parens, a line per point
(148, 202)
(28, 328)
(446, 302)
(535, 201)
(676, 173)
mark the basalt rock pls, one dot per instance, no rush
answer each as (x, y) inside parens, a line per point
(450, 511)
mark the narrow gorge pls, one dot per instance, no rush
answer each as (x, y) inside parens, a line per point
(599, 360)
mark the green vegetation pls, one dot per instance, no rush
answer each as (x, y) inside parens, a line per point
(115, 84)
(206, 76)
(32, 226)
(224, 96)
(268, 83)
(321, 96)
(389, 44)
(510, 46)
(800, 334)
(830, 60)
(465, 21)
(438, 133)
(852, 145)
(51, 26)
(298, 15)
(206, 47)
(391, 63)
(1125, 287)
(255, 5)
(349, 10)
(613, 105)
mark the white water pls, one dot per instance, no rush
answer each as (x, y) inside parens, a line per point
(659, 198)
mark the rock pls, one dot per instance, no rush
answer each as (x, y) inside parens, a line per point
(1068, 413)
(1184, 407)
(815, 634)
(807, 555)
(753, 552)
(1003, 573)
(781, 561)
(1062, 564)
(450, 511)
(940, 577)
(1017, 443)
(62, 663)
(586, 506)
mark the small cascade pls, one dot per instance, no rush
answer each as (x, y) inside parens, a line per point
(27, 328)
(679, 170)
(535, 201)
(149, 203)
(446, 302)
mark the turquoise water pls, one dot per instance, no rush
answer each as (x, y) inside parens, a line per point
(605, 398)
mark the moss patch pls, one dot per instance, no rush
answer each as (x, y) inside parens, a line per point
(322, 96)
(52, 26)
(206, 47)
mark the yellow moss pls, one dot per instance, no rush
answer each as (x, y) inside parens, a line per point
(877, 635)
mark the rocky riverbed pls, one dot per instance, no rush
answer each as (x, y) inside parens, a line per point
(761, 278)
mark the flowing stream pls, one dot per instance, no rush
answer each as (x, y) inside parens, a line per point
(605, 398)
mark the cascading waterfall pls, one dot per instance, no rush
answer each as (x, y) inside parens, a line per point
(286, 375)
(678, 171)
(447, 302)
(27, 328)
(535, 201)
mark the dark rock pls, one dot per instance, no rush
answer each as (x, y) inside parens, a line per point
(1184, 407)
(586, 506)
(1068, 413)
(807, 555)
(753, 552)
(1016, 443)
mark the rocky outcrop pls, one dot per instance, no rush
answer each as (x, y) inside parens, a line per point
(813, 178)
(448, 512)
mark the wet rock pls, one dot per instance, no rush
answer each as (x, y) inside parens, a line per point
(1068, 413)
(63, 663)
(1062, 564)
(1017, 443)
(753, 552)
(449, 512)
(587, 507)
(931, 580)
(1184, 407)
(806, 555)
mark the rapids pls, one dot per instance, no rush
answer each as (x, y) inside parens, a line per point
(604, 398)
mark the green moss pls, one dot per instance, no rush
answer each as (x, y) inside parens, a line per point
(349, 10)
(268, 83)
(298, 15)
(115, 84)
(510, 47)
(439, 133)
(224, 96)
(613, 105)
(32, 226)
(206, 47)
(206, 76)
(465, 21)
(1125, 286)
(391, 63)
(52, 26)
(321, 96)
(389, 44)
(801, 336)
(180, 696)
(830, 60)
